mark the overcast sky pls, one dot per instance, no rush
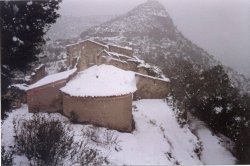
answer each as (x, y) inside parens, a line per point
(222, 27)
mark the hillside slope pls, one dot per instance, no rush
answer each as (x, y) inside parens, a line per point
(156, 140)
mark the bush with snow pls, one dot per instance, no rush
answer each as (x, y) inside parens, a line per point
(42, 141)
(6, 157)
(51, 142)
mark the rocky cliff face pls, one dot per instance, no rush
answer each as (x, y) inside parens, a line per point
(150, 31)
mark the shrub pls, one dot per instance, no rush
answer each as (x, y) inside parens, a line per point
(50, 143)
(42, 141)
(82, 154)
(6, 157)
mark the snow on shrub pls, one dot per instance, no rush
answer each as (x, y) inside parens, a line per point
(43, 142)
(51, 142)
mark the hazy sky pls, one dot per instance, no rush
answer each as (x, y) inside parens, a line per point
(222, 27)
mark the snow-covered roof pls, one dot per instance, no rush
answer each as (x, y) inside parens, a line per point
(155, 78)
(125, 47)
(144, 65)
(118, 54)
(81, 41)
(52, 78)
(101, 81)
(109, 58)
(118, 60)
(135, 59)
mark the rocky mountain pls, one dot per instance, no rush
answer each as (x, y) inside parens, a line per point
(150, 31)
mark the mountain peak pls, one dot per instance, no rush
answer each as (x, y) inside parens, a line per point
(149, 18)
(151, 7)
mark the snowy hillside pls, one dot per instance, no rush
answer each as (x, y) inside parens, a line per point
(156, 140)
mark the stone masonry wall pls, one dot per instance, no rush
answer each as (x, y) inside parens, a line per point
(115, 62)
(89, 54)
(151, 88)
(111, 112)
(121, 50)
(47, 98)
(119, 64)
(133, 66)
(73, 51)
(88, 51)
(93, 53)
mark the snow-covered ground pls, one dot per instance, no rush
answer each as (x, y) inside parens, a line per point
(214, 151)
(157, 139)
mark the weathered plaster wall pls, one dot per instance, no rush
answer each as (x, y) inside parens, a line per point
(142, 70)
(89, 53)
(47, 98)
(115, 62)
(120, 64)
(133, 65)
(73, 50)
(111, 112)
(120, 50)
(149, 88)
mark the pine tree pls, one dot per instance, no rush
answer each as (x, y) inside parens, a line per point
(23, 26)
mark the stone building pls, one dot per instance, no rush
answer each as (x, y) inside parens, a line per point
(101, 95)
(45, 95)
(150, 87)
(90, 53)
(104, 98)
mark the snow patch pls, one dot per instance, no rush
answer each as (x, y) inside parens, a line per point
(155, 78)
(16, 39)
(20, 86)
(213, 153)
(29, 3)
(218, 110)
